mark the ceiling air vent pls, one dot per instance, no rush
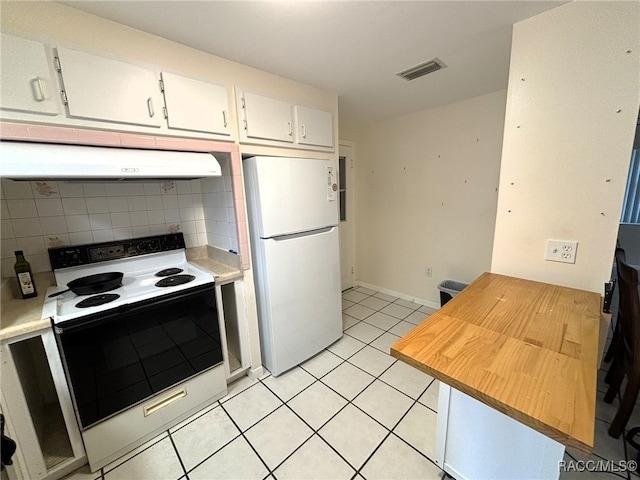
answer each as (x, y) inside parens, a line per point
(422, 69)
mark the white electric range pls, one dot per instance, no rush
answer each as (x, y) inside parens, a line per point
(142, 351)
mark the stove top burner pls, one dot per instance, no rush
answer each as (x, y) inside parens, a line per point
(96, 300)
(175, 280)
(168, 271)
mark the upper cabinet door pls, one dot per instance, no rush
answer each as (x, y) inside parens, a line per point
(267, 118)
(313, 126)
(196, 106)
(27, 77)
(99, 88)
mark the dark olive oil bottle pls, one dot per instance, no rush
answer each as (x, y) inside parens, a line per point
(25, 277)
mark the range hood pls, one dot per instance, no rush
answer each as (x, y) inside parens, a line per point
(34, 161)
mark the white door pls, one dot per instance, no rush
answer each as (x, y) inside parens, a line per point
(101, 88)
(267, 118)
(347, 220)
(290, 195)
(313, 126)
(195, 105)
(28, 78)
(298, 298)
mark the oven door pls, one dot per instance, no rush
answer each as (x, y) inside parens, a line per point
(116, 359)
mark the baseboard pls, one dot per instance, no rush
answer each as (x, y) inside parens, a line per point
(256, 373)
(420, 301)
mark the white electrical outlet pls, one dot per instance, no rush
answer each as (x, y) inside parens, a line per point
(561, 251)
(428, 271)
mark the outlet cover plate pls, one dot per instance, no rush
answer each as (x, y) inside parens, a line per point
(561, 251)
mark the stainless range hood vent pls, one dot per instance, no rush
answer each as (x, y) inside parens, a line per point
(423, 69)
(41, 161)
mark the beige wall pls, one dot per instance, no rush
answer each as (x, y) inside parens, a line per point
(427, 192)
(572, 106)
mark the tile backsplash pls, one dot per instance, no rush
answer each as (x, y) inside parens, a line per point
(37, 215)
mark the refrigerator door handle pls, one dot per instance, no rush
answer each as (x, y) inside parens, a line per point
(290, 236)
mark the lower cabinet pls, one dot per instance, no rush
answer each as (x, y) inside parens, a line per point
(38, 410)
(234, 330)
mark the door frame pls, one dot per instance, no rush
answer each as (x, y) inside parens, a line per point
(348, 229)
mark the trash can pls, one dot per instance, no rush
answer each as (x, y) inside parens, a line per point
(449, 289)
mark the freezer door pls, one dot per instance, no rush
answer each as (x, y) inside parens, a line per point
(299, 298)
(290, 195)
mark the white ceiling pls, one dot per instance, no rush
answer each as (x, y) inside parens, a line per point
(353, 48)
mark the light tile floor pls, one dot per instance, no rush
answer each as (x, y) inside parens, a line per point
(351, 412)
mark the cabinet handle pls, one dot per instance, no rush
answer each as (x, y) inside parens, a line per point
(290, 131)
(304, 131)
(38, 89)
(224, 118)
(163, 402)
(150, 107)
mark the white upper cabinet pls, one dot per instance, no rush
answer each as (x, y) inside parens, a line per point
(313, 126)
(27, 77)
(69, 87)
(195, 106)
(99, 88)
(270, 121)
(266, 118)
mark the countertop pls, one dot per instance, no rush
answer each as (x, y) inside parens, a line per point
(21, 317)
(527, 349)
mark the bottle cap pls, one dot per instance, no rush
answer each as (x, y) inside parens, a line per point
(18, 252)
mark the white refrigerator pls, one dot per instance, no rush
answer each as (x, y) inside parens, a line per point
(293, 223)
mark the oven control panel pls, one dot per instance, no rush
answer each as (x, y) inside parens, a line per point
(64, 257)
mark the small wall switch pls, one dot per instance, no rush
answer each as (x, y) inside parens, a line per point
(561, 251)
(428, 272)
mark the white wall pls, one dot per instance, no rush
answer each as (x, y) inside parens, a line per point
(572, 106)
(427, 192)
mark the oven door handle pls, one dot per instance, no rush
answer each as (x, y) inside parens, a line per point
(165, 401)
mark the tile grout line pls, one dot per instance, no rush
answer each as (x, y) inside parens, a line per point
(369, 344)
(215, 451)
(245, 439)
(318, 379)
(349, 402)
(219, 403)
(175, 449)
(315, 432)
(391, 430)
(414, 401)
(105, 472)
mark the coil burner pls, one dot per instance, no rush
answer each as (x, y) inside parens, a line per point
(168, 271)
(96, 300)
(175, 280)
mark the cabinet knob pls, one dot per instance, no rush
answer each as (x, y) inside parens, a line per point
(224, 118)
(304, 131)
(150, 107)
(290, 132)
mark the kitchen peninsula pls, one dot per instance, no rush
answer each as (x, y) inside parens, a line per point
(528, 350)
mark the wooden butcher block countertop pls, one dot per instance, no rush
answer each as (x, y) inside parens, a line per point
(527, 349)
